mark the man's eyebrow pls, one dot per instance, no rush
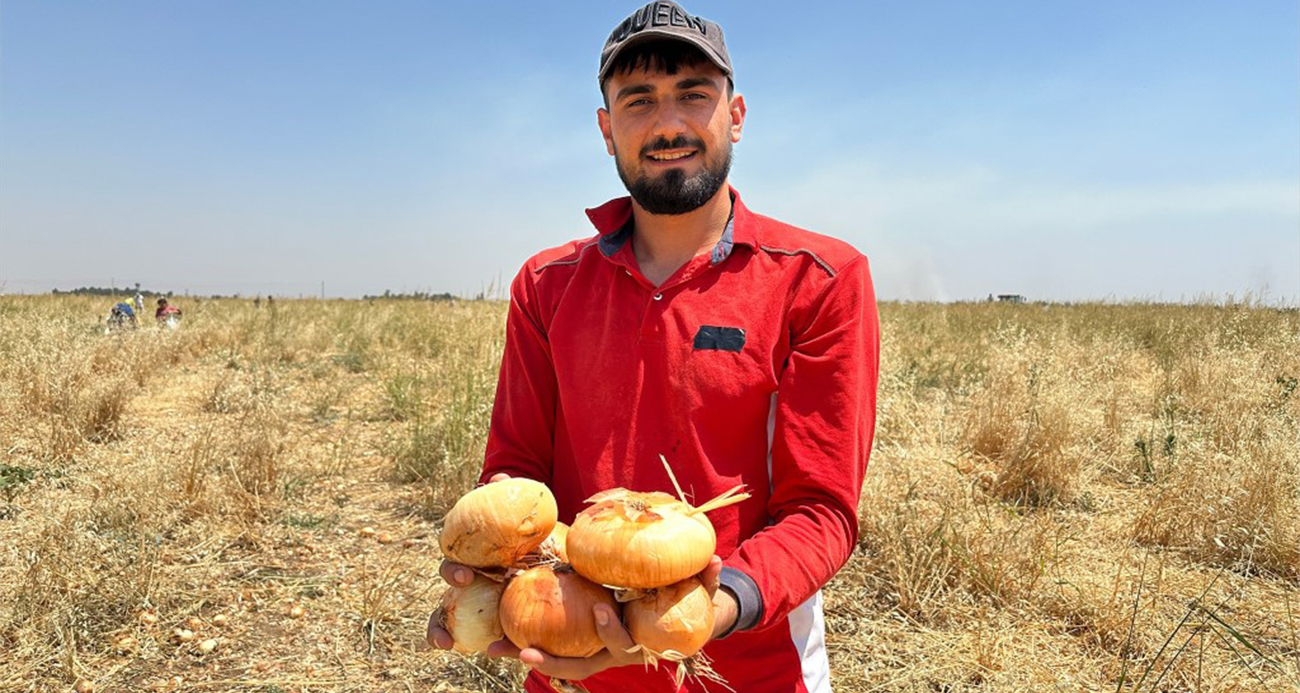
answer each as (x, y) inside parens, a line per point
(692, 82)
(633, 89)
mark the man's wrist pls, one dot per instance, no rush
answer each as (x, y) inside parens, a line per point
(744, 597)
(725, 610)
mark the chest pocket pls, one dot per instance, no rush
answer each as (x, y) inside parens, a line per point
(715, 338)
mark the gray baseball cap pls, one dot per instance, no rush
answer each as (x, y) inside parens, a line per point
(665, 20)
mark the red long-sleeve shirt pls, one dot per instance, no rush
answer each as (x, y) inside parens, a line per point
(755, 364)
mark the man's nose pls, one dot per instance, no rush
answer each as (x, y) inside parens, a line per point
(670, 121)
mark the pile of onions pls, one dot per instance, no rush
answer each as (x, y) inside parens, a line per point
(550, 608)
(471, 614)
(673, 622)
(497, 524)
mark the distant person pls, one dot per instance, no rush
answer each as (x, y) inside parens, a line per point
(139, 303)
(167, 314)
(257, 302)
(121, 317)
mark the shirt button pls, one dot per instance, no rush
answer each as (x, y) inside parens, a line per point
(659, 297)
(628, 272)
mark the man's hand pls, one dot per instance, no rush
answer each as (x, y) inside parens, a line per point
(725, 608)
(456, 575)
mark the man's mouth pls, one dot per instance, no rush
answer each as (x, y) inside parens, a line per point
(671, 155)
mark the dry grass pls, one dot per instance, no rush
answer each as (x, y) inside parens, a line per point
(1072, 498)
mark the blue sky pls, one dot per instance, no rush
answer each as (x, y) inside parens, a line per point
(1063, 150)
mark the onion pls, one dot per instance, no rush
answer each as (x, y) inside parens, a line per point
(639, 540)
(553, 547)
(495, 525)
(673, 622)
(470, 614)
(550, 608)
(633, 540)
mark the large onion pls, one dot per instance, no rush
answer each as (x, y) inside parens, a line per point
(471, 614)
(673, 622)
(495, 525)
(550, 608)
(639, 540)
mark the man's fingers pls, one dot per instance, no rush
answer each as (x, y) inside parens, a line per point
(711, 575)
(436, 636)
(532, 656)
(611, 631)
(455, 574)
(568, 668)
(503, 648)
(498, 477)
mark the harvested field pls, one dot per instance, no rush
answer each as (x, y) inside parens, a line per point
(1061, 498)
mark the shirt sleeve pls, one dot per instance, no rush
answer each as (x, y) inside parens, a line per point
(520, 437)
(824, 423)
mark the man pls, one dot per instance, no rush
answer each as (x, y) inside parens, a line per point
(742, 349)
(167, 314)
(121, 316)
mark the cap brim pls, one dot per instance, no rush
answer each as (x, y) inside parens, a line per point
(646, 35)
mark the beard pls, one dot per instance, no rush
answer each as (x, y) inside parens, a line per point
(673, 192)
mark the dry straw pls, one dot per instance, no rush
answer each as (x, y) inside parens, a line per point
(1083, 497)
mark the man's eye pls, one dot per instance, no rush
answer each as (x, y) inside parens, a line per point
(638, 102)
(694, 96)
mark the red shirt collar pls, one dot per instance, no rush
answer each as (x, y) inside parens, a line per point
(611, 217)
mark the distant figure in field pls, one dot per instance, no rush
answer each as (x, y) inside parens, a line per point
(257, 302)
(121, 317)
(167, 315)
(270, 301)
(139, 303)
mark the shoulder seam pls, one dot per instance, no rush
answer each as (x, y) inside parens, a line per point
(782, 251)
(562, 261)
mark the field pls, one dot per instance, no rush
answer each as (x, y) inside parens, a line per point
(1061, 498)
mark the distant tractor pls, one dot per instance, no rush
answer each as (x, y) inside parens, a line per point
(1011, 298)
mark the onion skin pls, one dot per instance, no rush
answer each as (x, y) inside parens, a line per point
(551, 610)
(495, 525)
(554, 546)
(471, 614)
(640, 540)
(676, 620)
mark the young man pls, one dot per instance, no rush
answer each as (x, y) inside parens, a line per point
(742, 349)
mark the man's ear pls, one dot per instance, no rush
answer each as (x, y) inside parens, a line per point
(737, 117)
(602, 119)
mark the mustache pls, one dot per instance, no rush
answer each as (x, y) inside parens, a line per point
(678, 142)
